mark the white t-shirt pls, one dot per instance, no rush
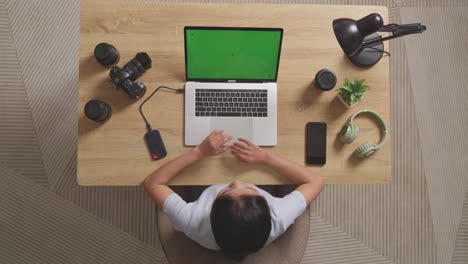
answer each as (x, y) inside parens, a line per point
(194, 218)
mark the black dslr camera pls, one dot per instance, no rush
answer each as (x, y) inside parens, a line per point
(124, 78)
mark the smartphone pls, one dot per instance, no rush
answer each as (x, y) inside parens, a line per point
(316, 143)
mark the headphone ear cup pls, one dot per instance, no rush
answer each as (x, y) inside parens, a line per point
(349, 133)
(365, 150)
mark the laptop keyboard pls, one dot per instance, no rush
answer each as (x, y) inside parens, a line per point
(231, 102)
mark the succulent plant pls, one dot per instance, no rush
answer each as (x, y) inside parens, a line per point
(352, 91)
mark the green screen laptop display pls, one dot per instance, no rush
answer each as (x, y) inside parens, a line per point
(242, 54)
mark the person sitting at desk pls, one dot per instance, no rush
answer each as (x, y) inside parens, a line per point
(238, 218)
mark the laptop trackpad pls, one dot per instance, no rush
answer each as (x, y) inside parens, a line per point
(235, 127)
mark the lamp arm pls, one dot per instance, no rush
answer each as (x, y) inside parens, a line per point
(397, 31)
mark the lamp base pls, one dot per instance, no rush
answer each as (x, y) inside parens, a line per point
(369, 56)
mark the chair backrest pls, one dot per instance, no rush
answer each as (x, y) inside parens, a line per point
(288, 248)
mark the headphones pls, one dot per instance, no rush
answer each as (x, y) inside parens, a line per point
(349, 133)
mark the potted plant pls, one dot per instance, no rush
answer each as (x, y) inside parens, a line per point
(352, 92)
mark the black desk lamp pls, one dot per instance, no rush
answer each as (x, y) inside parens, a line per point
(359, 41)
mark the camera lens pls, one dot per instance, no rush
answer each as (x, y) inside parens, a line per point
(98, 110)
(144, 60)
(325, 80)
(138, 65)
(106, 54)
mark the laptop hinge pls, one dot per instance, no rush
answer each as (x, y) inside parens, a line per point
(231, 81)
(234, 81)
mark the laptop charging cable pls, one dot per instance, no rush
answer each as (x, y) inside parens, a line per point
(153, 137)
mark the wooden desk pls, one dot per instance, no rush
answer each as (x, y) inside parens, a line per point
(114, 153)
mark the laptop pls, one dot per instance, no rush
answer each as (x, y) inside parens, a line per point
(230, 84)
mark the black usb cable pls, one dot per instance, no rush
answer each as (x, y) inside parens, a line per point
(153, 137)
(148, 126)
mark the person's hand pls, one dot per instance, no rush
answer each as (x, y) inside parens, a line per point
(214, 144)
(248, 152)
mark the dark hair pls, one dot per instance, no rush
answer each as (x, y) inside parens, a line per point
(240, 226)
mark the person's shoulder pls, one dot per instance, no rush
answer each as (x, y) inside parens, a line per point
(172, 199)
(212, 191)
(270, 198)
(216, 188)
(296, 195)
(207, 197)
(294, 201)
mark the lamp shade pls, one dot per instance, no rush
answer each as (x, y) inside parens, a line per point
(351, 33)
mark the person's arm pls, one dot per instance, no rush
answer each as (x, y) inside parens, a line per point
(309, 183)
(156, 183)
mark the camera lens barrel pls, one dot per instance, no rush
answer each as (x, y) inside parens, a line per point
(325, 80)
(138, 65)
(98, 110)
(106, 54)
(134, 69)
(144, 59)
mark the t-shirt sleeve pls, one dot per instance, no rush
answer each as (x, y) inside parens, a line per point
(284, 212)
(178, 211)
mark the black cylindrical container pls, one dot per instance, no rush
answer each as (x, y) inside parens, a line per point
(98, 110)
(325, 80)
(106, 54)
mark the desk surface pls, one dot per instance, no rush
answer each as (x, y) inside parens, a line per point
(114, 153)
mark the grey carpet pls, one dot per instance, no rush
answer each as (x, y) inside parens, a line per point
(50, 70)
(431, 3)
(330, 245)
(46, 35)
(40, 227)
(350, 223)
(18, 140)
(438, 63)
(460, 253)
(127, 208)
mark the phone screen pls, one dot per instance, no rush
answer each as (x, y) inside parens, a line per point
(316, 143)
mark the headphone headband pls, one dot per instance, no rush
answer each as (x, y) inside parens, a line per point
(379, 120)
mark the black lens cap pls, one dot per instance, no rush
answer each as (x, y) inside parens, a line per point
(325, 80)
(106, 54)
(97, 110)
